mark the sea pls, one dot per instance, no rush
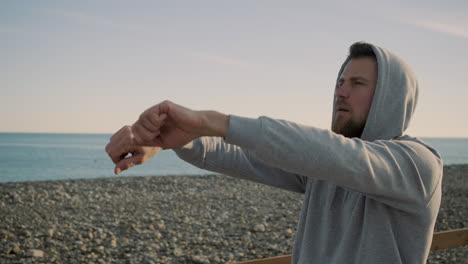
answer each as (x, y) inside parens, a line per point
(41, 157)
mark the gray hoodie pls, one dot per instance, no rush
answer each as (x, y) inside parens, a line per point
(372, 199)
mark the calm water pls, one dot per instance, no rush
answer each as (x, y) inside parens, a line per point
(32, 157)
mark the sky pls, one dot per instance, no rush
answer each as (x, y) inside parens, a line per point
(94, 66)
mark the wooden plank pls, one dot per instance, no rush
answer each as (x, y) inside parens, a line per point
(450, 239)
(440, 240)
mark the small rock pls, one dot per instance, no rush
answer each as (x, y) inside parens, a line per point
(259, 228)
(155, 246)
(200, 260)
(253, 209)
(276, 235)
(161, 225)
(158, 235)
(15, 249)
(7, 234)
(124, 241)
(273, 246)
(239, 254)
(35, 253)
(113, 243)
(27, 233)
(100, 249)
(50, 232)
(178, 252)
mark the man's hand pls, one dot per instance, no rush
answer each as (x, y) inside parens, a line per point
(168, 125)
(121, 144)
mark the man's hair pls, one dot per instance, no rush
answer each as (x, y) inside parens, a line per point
(361, 49)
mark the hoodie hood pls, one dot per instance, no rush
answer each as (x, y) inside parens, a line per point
(394, 100)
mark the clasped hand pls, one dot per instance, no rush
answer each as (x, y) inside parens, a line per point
(163, 126)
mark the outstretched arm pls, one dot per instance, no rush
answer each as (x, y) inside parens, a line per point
(401, 173)
(196, 138)
(171, 126)
(214, 154)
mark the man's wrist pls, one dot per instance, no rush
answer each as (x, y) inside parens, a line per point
(215, 124)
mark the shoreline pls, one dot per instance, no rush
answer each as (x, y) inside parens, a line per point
(111, 177)
(140, 176)
(171, 219)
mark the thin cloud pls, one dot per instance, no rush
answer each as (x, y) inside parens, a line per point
(218, 59)
(451, 29)
(89, 19)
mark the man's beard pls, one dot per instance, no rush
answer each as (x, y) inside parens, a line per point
(348, 128)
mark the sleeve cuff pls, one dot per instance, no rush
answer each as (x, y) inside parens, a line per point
(190, 152)
(243, 132)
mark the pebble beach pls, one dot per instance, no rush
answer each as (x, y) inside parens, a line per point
(176, 219)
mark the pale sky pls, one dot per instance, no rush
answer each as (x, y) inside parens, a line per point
(94, 66)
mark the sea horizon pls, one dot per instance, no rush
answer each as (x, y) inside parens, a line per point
(29, 156)
(110, 134)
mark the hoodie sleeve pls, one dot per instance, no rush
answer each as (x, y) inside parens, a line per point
(213, 154)
(400, 173)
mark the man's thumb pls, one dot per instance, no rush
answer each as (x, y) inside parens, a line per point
(127, 163)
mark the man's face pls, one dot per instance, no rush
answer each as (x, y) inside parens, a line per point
(353, 96)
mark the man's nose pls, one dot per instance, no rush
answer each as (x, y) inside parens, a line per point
(342, 90)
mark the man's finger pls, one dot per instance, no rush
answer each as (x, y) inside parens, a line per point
(119, 149)
(127, 163)
(162, 117)
(155, 109)
(138, 133)
(150, 121)
(118, 132)
(143, 136)
(116, 156)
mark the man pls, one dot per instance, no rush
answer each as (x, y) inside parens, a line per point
(372, 194)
